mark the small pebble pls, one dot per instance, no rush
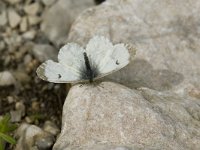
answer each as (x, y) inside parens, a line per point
(27, 59)
(6, 78)
(3, 18)
(20, 130)
(22, 77)
(48, 2)
(29, 35)
(32, 9)
(33, 137)
(14, 18)
(44, 142)
(12, 2)
(30, 66)
(24, 24)
(16, 116)
(34, 20)
(19, 106)
(13, 40)
(28, 119)
(51, 128)
(2, 45)
(10, 99)
(35, 106)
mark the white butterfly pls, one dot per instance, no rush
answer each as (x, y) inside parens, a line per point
(76, 64)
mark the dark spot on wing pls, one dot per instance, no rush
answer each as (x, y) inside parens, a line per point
(59, 76)
(117, 63)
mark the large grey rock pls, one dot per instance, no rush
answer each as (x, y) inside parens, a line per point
(111, 115)
(58, 18)
(165, 34)
(163, 113)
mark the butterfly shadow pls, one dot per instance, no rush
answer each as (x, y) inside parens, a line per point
(140, 73)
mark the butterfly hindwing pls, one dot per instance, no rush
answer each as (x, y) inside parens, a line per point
(55, 72)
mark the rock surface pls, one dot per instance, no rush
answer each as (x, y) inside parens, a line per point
(56, 28)
(163, 113)
(165, 34)
(110, 114)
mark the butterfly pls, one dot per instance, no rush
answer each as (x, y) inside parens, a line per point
(76, 64)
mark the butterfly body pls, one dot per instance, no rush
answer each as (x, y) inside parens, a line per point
(76, 64)
(90, 72)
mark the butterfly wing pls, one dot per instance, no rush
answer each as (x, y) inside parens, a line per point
(55, 72)
(108, 57)
(67, 70)
(98, 49)
(71, 56)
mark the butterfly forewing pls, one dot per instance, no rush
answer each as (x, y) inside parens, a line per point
(108, 57)
(98, 49)
(71, 56)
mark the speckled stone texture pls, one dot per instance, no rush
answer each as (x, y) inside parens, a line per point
(58, 18)
(161, 107)
(111, 114)
(165, 34)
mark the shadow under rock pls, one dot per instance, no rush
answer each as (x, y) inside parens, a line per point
(139, 73)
